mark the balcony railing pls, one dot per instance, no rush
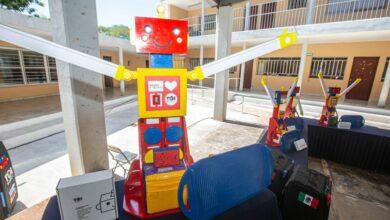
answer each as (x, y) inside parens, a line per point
(285, 13)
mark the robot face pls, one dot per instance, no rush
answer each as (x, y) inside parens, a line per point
(163, 36)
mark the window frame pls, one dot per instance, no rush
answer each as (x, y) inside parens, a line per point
(296, 4)
(313, 72)
(290, 66)
(22, 68)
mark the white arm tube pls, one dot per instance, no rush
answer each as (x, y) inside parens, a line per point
(357, 81)
(57, 51)
(240, 57)
(268, 90)
(291, 90)
(322, 82)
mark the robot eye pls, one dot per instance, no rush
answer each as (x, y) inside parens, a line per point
(148, 29)
(176, 31)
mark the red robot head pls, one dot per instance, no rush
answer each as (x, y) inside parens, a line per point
(161, 36)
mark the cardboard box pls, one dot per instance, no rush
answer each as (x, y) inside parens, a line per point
(89, 196)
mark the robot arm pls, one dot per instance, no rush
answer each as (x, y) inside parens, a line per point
(65, 54)
(269, 91)
(291, 90)
(357, 81)
(322, 82)
(119, 72)
(284, 40)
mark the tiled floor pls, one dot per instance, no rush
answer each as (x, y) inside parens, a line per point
(29, 108)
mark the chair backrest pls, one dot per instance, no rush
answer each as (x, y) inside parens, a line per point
(116, 150)
(218, 183)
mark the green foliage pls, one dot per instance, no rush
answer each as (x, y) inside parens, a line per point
(21, 5)
(120, 31)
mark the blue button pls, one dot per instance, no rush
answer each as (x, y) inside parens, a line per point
(174, 133)
(152, 135)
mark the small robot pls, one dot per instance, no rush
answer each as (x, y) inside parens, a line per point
(150, 189)
(329, 116)
(284, 107)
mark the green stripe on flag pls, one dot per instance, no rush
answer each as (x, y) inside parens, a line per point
(301, 196)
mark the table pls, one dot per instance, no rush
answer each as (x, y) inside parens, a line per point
(367, 147)
(263, 204)
(299, 157)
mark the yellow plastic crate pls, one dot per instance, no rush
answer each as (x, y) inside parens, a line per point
(161, 191)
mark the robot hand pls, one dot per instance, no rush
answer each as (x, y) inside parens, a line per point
(124, 74)
(196, 74)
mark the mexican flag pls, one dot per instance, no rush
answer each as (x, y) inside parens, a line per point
(308, 200)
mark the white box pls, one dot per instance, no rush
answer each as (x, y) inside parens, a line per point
(89, 196)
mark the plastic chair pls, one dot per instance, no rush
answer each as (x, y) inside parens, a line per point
(122, 158)
(221, 182)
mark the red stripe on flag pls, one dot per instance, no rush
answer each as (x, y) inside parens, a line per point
(314, 203)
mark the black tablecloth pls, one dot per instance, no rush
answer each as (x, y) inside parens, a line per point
(367, 147)
(264, 204)
(299, 157)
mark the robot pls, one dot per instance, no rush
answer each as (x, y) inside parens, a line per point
(284, 107)
(329, 116)
(151, 186)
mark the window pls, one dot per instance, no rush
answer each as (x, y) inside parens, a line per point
(25, 67)
(178, 62)
(107, 58)
(384, 71)
(282, 66)
(331, 67)
(10, 68)
(34, 67)
(346, 6)
(209, 22)
(293, 4)
(194, 62)
(52, 69)
(233, 70)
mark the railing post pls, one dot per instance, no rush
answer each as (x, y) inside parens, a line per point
(201, 33)
(310, 11)
(242, 71)
(247, 15)
(385, 89)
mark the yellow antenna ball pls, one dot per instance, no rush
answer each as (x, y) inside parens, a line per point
(282, 88)
(161, 12)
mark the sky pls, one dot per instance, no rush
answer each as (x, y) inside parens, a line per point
(111, 12)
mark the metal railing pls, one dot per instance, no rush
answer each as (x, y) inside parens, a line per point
(208, 82)
(282, 13)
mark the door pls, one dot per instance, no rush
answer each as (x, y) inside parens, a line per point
(268, 15)
(253, 17)
(108, 83)
(364, 68)
(248, 75)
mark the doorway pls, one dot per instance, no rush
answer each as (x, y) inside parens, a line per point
(248, 75)
(108, 82)
(268, 15)
(364, 68)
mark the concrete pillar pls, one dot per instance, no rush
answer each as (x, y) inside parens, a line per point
(385, 89)
(74, 24)
(201, 33)
(222, 49)
(309, 20)
(302, 63)
(201, 61)
(121, 83)
(242, 71)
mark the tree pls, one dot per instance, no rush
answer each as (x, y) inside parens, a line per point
(21, 5)
(121, 31)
